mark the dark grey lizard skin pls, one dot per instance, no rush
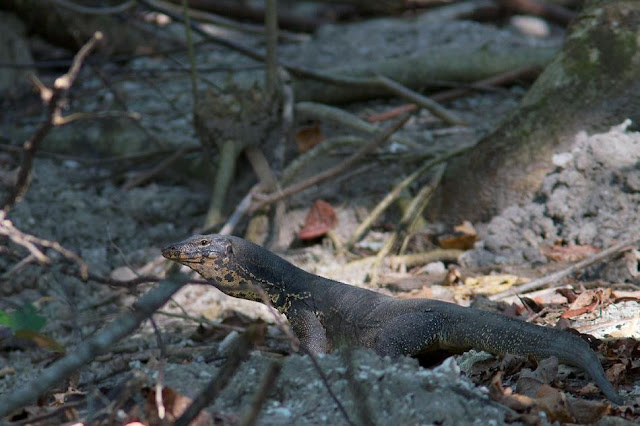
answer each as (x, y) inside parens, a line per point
(325, 313)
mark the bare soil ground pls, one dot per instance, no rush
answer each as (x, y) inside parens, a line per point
(77, 199)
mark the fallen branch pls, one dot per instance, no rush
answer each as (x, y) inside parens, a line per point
(554, 279)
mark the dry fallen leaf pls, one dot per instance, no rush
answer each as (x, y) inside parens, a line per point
(463, 237)
(587, 301)
(320, 220)
(308, 137)
(488, 284)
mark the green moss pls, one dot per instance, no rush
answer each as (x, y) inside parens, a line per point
(604, 50)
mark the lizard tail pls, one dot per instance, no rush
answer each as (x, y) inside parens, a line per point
(498, 334)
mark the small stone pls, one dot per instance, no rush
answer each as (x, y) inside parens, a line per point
(435, 268)
(562, 159)
(531, 25)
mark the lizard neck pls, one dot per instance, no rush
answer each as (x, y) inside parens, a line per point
(279, 279)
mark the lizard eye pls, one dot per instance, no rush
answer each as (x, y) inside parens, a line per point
(204, 243)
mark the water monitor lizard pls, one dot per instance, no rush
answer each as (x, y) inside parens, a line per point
(325, 313)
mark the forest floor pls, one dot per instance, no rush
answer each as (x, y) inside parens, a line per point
(77, 197)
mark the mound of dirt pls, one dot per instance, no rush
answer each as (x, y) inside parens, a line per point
(591, 198)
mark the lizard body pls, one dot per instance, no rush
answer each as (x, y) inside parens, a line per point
(325, 313)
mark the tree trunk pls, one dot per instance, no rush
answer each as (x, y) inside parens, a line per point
(593, 84)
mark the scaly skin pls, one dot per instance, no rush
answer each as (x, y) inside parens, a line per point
(325, 313)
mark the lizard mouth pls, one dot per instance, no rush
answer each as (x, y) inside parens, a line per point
(172, 253)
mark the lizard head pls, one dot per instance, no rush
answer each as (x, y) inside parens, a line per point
(235, 266)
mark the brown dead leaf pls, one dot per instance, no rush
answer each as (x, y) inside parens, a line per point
(530, 382)
(308, 137)
(506, 396)
(463, 237)
(528, 386)
(616, 372)
(453, 277)
(554, 404)
(587, 301)
(42, 341)
(320, 220)
(570, 253)
(588, 412)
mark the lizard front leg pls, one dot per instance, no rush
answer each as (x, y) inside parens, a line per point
(308, 329)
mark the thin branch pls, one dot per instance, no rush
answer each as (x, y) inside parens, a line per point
(107, 10)
(34, 245)
(429, 104)
(100, 115)
(448, 95)
(334, 171)
(271, 38)
(554, 279)
(395, 193)
(159, 168)
(54, 99)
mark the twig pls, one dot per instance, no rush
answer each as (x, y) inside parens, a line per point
(238, 214)
(242, 27)
(190, 53)
(161, 370)
(159, 168)
(100, 115)
(429, 104)
(237, 353)
(39, 419)
(87, 350)
(276, 219)
(452, 94)
(325, 381)
(273, 371)
(554, 278)
(418, 204)
(34, 244)
(395, 193)
(271, 36)
(107, 10)
(54, 98)
(325, 112)
(334, 171)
